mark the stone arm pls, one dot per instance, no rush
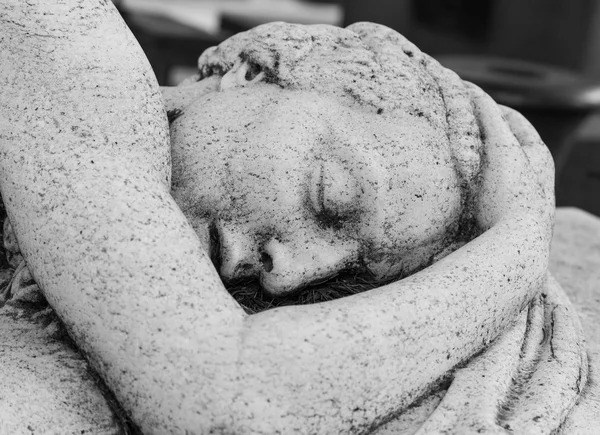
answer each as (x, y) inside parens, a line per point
(441, 315)
(84, 173)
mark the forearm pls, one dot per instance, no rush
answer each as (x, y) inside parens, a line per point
(372, 347)
(84, 167)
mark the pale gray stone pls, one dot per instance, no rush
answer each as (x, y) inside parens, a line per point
(85, 175)
(46, 385)
(575, 261)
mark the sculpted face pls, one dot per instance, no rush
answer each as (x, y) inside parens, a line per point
(293, 184)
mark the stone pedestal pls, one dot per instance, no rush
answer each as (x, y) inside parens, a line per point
(575, 263)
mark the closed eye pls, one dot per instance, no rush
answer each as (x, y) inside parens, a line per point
(334, 194)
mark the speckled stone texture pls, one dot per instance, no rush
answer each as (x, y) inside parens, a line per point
(84, 173)
(350, 123)
(47, 387)
(62, 407)
(575, 261)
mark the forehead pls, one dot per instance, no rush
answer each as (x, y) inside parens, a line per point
(273, 142)
(267, 122)
(334, 61)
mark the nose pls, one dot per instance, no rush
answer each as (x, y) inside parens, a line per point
(292, 265)
(282, 267)
(239, 257)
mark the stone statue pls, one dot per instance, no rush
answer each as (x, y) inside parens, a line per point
(297, 154)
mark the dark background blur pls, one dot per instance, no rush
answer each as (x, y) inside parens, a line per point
(541, 57)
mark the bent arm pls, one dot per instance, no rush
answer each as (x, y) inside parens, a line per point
(84, 172)
(84, 168)
(386, 347)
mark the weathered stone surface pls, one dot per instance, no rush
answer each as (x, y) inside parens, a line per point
(287, 129)
(123, 268)
(100, 226)
(63, 407)
(574, 261)
(46, 386)
(351, 148)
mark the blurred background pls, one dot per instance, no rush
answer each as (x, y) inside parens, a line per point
(541, 57)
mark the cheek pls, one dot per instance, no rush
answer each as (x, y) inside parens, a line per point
(425, 194)
(413, 214)
(425, 216)
(200, 154)
(409, 240)
(193, 147)
(197, 186)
